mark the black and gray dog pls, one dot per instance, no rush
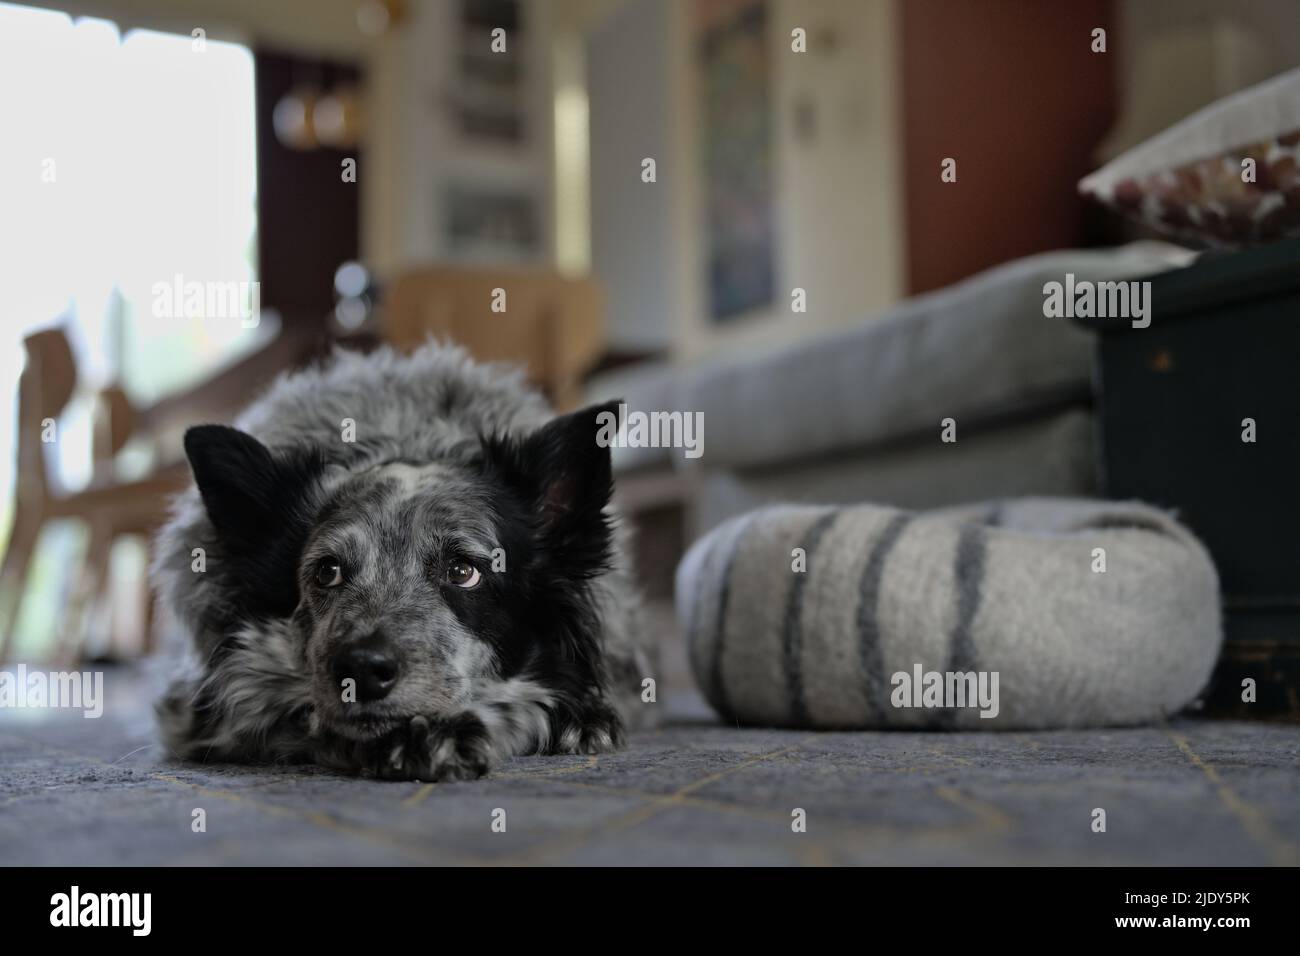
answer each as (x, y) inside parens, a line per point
(402, 566)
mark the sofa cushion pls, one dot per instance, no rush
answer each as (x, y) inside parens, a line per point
(974, 351)
(1052, 455)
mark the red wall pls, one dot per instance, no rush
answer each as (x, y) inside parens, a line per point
(1012, 90)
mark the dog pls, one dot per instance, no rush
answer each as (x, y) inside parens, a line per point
(400, 566)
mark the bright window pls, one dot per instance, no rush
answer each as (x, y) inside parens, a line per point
(125, 161)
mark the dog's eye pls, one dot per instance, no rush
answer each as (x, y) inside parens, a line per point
(329, 573)
(463, 574)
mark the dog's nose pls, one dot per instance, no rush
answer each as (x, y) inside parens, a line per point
(372, 665)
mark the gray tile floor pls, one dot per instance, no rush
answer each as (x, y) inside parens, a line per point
(76, 791)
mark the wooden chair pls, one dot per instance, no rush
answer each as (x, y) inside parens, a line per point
(111, 507)
(551, 325)
(44, 389)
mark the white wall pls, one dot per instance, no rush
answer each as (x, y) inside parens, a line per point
(1177, 56)
(631, 117)
(838, 196)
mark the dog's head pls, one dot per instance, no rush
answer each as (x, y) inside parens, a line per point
(413, 583)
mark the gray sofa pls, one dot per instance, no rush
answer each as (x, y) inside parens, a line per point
(855, 414)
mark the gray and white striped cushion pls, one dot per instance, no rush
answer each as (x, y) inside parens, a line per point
(1007, 587)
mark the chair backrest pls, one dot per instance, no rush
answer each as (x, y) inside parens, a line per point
(44, 389)
(218, 398)
(550, 324)
(114, 423)
(227, 391)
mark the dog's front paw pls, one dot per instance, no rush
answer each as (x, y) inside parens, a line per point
(597, 729)
(436, 749)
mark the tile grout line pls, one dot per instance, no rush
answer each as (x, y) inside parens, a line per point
(422, 794)
(319, 819)
(315, 818)
(1257, 825)
(643, 813)
(992, 816)
(837, 827)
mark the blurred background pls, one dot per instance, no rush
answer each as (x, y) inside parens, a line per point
(651, 181)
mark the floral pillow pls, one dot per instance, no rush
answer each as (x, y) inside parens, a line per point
(1226, 176)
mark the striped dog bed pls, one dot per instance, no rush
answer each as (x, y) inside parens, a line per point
(1031, 613)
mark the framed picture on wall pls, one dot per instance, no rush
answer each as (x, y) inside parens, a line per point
(736, 135)
(488, 97)
(488, 223)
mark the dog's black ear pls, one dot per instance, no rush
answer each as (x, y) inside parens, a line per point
(249, 493)
(563, 469)
(569, 459)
